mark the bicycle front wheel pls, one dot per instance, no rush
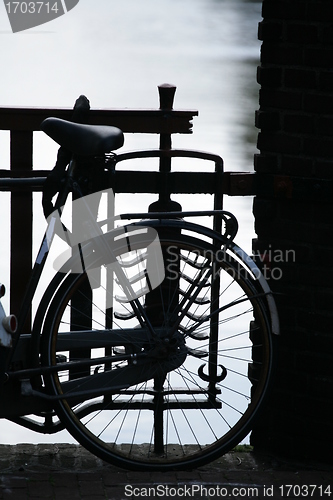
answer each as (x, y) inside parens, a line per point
(199, 409)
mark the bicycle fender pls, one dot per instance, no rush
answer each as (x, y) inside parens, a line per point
(247, 261)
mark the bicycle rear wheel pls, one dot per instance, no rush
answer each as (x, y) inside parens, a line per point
(202, 407)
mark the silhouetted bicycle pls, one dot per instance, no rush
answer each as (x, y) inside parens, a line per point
(153, 343)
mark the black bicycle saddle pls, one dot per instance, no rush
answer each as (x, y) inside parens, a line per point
(83, 140)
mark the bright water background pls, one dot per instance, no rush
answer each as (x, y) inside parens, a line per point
(117, 53)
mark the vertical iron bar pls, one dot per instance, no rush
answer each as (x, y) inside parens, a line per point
(21, 224)
(158, 416)
(213, 336)
(166, 93)
(215, 288)
(218, 195)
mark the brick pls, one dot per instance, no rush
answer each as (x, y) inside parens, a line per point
(294, 381)
(293, 213)
(325, 248)
(270, 30)
(318, 57)
(319, 147)
(313, 420)
(266, 208)
(319, 11)
(296, 165)
(297, 296)
(320, 385)
(267, 120)
(36, 490)
(14, 494)
(326, 81)
(280, 229)
(284, 9)
(300, 78)
(280, 99)
(323, 168)
(269, 76)
(279, 142)
(266, 163)
(324, 125)
(323, 341)
(283, 54)
(67, 493)
(117, 492)
(65, 479)
(312, 234)
(266, 228)
(139, 477)
(111, 478)
(326, 34)
(91, 488)
(275, 273)
(293, 253)
(317, 322)
(298, 123)
(302, 33)
(188, 475)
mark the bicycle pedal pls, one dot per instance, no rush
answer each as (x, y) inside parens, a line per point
(196, 353)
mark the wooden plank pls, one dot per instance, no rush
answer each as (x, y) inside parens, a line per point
(123, 181)
(128, 120)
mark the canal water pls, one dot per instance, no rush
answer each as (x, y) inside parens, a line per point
(117, 53)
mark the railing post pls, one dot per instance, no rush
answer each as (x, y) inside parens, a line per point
(153, 299)
(164, 203)
(21, 222)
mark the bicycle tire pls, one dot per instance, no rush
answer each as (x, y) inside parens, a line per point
(198, 425)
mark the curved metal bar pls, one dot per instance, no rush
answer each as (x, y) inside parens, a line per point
(169, 153)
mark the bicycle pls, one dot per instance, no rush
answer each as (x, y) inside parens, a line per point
(153, 345)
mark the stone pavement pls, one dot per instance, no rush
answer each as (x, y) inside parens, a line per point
(66, 471)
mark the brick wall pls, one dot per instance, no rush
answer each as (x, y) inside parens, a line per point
(294, 211)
